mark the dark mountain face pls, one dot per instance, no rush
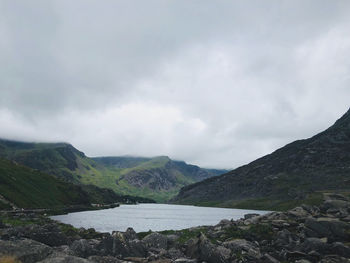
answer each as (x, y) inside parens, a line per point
(293, 172)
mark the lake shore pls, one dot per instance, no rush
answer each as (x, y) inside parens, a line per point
(303, 234)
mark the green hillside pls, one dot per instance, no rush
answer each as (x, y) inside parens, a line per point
(28, 188)
(158, 178)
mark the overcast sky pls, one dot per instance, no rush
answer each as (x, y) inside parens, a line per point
(215, 83)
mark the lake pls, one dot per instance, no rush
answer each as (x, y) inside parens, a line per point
(155, 217)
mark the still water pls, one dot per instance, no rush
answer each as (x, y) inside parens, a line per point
(156, 217)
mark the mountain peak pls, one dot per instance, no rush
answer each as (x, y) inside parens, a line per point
(341, 125)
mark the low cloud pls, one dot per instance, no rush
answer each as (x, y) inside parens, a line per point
(217, 85)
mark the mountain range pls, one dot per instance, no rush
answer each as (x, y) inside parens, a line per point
(296, 173)
(158, 178)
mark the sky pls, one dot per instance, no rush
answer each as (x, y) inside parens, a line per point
(214, 83)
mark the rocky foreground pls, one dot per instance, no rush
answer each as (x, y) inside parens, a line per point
(303, 234)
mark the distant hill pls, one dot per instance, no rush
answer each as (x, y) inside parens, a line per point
(158, 178)
(296, 173)
(24, 187)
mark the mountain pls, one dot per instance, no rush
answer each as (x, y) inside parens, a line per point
(28, 188)
(59, 159)
(158, 178)
(24, 187)
(296, 173)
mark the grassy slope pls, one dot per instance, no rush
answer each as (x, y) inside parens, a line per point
(29, 188)
(67, 163)
(106, 176)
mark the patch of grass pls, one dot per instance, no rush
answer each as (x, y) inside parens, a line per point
(253, 232)
(70, 230)
(184, 234)
(9, 259)
(141, 235)
(23, 221)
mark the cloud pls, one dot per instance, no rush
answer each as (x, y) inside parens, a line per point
(213, 84)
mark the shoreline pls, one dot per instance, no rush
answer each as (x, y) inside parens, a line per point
(308, 233)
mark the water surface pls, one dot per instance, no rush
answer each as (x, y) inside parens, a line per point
(155, 217)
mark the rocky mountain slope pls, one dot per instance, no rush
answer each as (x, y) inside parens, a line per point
(305, 234)
(158, 178)
(295, 173)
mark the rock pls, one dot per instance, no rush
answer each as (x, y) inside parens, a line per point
(171, 240)
(332, 228)
(297, 255)
(298, 212)
(224, 222)
(285, 239)
(98, 259)
(65, 259)
(136, 248)
(243, 246)
(339, 249)
(156, 240)
(314, 244)
(202, 249)
(334, 259)
(107, 245)
(269, 259)
(130, 234)
(333, 196)
(136, 259)
(174, 253)
(249, 216)
(85, 248)
(334, 204)
(25, 250)
(312, 210)
(48, 234)
(185, 260)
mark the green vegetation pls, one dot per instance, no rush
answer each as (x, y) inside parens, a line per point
(4, 206)
(184, 234)
(253, 232)
(156, 178)
(23, 221)
(29, 188)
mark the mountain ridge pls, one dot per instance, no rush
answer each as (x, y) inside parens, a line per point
(158, 178)
(291, 174)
